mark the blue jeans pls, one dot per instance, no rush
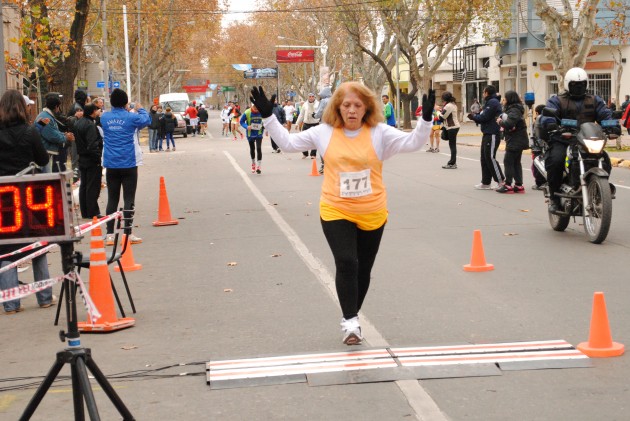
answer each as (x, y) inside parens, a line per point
(169, 135)
(153, 134)
(9, 279)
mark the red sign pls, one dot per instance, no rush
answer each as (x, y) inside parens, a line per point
(195, 88)
(295, 56)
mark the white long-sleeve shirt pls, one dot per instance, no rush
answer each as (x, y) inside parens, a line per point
(387, 140)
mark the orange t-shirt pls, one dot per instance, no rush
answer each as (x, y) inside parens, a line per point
(353, 180)
(192, 112)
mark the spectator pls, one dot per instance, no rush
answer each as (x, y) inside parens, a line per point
(625, 104)
(89, 141)
(451, 126)
(308, 120)
(324, 96)
(153, 129)
(536, 146)
(75, 113)
(121, 157)
(168, 124)
(160, 130)
(513, 123)
(388, 111)
(279, 113)
(53, 138)
(20, 144)
(490, 168)
(353, 214)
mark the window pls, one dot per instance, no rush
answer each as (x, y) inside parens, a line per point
(600, 84)
(552, 85)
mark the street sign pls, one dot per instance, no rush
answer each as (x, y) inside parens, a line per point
(100, 84)
(117, 84)
(228, 89)
(82, 83)
(291, 94)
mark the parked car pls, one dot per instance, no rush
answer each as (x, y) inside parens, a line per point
(178, 102)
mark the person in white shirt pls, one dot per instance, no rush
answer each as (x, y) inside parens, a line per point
(289, 109)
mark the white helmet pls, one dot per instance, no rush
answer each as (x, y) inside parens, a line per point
(576, 82)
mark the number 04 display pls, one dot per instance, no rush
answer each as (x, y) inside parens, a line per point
(34, 208)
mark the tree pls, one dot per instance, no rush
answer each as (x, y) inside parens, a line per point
(568, 40)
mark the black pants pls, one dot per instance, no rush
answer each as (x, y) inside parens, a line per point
(354, 251)
(89, 190)
(307, 126)
(117, 178)
(273, 144)
(554, 164)
(513, 167)
(257, 144)
(452, 144)
(490, 167)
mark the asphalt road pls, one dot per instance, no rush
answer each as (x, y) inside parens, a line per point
(211, 289)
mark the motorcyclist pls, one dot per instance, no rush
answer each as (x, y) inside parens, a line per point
(574, 103)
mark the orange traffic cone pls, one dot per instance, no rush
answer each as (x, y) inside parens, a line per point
(101, 290)
(600, 342)
(126, 260)
(478, 258)
(314, 171)
(164, 210)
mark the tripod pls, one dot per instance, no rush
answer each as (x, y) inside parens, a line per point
(79, 358)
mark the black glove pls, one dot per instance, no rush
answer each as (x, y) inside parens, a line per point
(313, 115)
(259, 99)
(470, 116)
(428, 103)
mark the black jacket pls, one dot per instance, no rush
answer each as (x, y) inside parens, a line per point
(89, 142)
(488, 116)
(20, 144)
(168, 123)
(203, 115)
(155, 120)
(515, 128)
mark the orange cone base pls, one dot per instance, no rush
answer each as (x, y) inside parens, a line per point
(314, 171)
(123, 323)
(136, 266)
(483, 268)
(163, 223)
(615, 350)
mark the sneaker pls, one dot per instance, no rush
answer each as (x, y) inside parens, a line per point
(450, 166)
(351, 331)
(278, 150)
(537, 187)
(133, 239)
(430, 150)
(109, 240)
(519, 189)
(258, 170)
(52, 302)
(173, 148)
(436, 150)
(168, 149)
(312, 157)
(253, 168)
(482, 186)
(17, 310)
(304, 156)
(505, 188)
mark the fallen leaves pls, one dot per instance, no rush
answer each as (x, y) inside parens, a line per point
(509, 234)
(228, 290)
(128, 347)
(232, 263)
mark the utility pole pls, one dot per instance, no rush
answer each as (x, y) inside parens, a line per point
(138, 46)
(127, 51)
(517, 86)
(105, 52)
(3, 70)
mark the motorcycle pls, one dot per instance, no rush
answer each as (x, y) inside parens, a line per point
(585, 191)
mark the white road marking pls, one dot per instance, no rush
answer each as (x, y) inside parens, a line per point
(423, 405)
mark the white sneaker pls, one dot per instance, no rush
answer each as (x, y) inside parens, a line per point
(351, 331)
(482, 186)
(109, 240)
(134, 239)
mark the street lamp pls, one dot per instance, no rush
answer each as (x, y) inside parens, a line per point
(277, 75)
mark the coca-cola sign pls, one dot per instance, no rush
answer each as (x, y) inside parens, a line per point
(295, 56)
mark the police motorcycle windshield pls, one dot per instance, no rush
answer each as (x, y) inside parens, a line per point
(590, 131)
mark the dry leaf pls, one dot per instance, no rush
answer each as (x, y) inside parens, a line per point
(524, 210)
(228, 290)
(309, 203)
(128, 347)
(509, 234)
(232, 264)
(276, 255)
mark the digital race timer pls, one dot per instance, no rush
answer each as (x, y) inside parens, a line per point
(36, 207)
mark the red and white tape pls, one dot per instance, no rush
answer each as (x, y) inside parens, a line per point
(92, 311)
(89, 226)
(29, 257)
(25, 249)
(22, 291)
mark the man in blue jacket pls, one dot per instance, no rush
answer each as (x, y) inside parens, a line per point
(122, 154)
(490, 140)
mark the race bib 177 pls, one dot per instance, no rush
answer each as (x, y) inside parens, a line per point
(355, 184)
